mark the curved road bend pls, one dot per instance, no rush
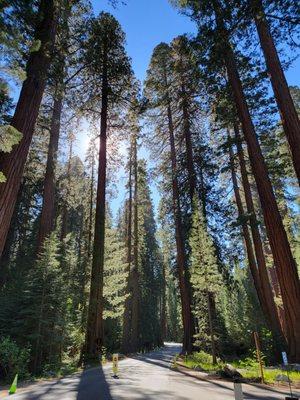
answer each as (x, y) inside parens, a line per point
(146, 377)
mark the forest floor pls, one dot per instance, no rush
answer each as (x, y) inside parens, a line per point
(147, 376)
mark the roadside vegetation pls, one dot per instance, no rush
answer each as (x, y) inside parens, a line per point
(248, 367)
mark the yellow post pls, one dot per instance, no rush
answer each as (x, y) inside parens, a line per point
(258, 354)
(115, 360)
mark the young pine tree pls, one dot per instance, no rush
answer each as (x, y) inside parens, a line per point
(205, 279)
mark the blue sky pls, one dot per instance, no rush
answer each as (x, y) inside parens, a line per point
(147, 23)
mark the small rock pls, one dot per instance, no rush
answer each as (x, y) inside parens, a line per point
(282, 378)
(295, 367)
(229, 371)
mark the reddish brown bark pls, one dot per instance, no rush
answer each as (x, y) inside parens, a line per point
(94, 336)
(246, 235)
(48, 208)
(6, 254)
(285, 264)
(188, 147)
(272, 310)
(289, 116)
(184, 284)
(189, 161)
(26, 112)
(180, 256)
(275, 285)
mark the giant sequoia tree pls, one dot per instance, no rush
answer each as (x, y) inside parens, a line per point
(26, 112)
(158, 90)
(108, 74)
(289, 117)
(286, 268)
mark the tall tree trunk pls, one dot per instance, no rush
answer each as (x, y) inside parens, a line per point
(135, 271)
(276, 287)
(285, 264)
(180, 256)
(48, 207)
(289, 116)
(126, 338)
(90, 225)
(94, 337)
(188, 147)
(65, 214)
(273, 316)
(247, 237)
(184, 284)
(26, 112)
(6, 254)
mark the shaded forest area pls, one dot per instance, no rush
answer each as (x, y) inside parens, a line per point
(220, 127)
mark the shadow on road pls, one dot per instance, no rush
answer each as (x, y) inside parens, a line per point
(93, 385)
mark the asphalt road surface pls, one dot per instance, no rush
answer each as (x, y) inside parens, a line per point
(144, 377)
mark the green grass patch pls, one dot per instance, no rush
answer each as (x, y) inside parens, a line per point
(270, 374)
(248, 367)
(203, 361)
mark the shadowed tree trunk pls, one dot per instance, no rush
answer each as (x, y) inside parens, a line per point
(126, 342)
(47, 221)
(247, 237)
(65, 213)
(285, 264)
(26, 112)
(276, 287)
(48, 207)
(135, 270)
(94, 336)
(90, 226)
(180, 256)
(289, 116)
(273, 316)
(6, 254)
(188, 147)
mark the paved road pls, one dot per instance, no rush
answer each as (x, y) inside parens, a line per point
(145, 377)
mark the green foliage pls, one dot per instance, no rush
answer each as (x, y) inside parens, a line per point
(115, 275)
(9, 136)
(270, 375)
(150, 265)
(36, 45)
(248, 367)
(114, 287)
(205, 276)
(13, 359)
(201, 360)
(5, 102)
